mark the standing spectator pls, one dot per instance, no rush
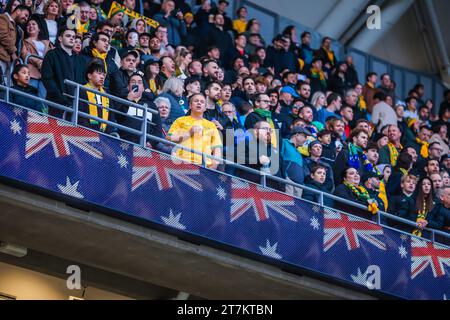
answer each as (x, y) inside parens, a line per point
(173, 20)
(238, 50)
(120, 79)
(152, 80)
(219, 37)
(353, 156)
(182, 59)
(192, 86)
(167, 68)
(60, 64)
(98, 105)
(326, 54)
(338, 81)
(51, 21)
(98, 49)
(197, 133)
(144, 47)
(306, 53)
(221, 8)
(21, 82)
(411, 108)
(34, 44)
(240, 24)
(369, 90)
(382, 114)
(421, 142)
(347, 117)
(352, 74)
(10, 35)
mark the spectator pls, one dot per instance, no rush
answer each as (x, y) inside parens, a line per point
(319, 102)
(316, 180)
(166, 48)
(21, 82)
(382, 114)
(315, 150)
(131, 41)
(151, 74)
(98, 105)
(369, 90)
(445, 175)
(120, 79)
(144, 50)
(306, 53)
(238, 49)
(97, 6)
(350, 189)
(326, 54)
(371, 181)
(219, 37)
(386, 85)
(34, 44)
(167, 68)
(182, 59)
(213, 113)
(240, 24)
(60, 64)
(10, 35)
(51, 21)
(403, 205)
(352, 75)
(317, 76)
(258, 153)
(353, 156)
(389, 153)
(196, 133)
(411, 108)
(163, 105)
(334, 103)
(98, 49)
(293, 162)
(420, 144)
(402, 168)
(138, 95)
(222, 6)
(440, 136)
(173, 90)
(176, 27)
(338, 81)
(347, 115)
(77, 45)
(424, 204)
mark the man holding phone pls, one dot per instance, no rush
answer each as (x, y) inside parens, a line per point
(172, 19)
(119, 79)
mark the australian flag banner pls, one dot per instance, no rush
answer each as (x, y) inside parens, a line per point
(86, 166)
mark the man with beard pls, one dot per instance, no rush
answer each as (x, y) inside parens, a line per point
(213, 113)
(353, 155)
(210, 70)
(390, 153)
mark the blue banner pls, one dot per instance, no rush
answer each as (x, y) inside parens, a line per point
(76, 162)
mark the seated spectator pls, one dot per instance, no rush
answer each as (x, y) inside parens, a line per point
(131, 41)
(163, 105)
(438, 184)
(34, 44)
(99, 105)
(152, 80)
(315, 158)
(420, 143)
(77, 45)
(440, 136)
(371, 181)
(292, 160)
(403, 168)
(257, 152)
(350, 189)
(182, 59)
(442, 209)
(318, 76)
(411, 108)
(173, 90)
(403, 205)
(316, 181)
(424, 206)
(196, 133)
(21, 82)
(333, 106)
(138, 95)
(192, 86)
(445, 175)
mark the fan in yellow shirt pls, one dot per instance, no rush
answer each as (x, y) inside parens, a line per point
(196, 133)
(240, 24)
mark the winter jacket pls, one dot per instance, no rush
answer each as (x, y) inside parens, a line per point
(34, 64)
(8, 38)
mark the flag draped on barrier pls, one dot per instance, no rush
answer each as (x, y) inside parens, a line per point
(73, 161)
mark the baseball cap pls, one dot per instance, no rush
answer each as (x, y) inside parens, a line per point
(297, 129)
(290, 90)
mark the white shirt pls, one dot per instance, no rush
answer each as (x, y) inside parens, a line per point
(52, 30)
(383, 114)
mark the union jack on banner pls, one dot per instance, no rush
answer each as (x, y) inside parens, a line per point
(43, 130)
(338, 225)
(424, 254)
(247, 196)
(147, 164)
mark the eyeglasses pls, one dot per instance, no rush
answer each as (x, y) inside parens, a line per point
(266, 129)
(228, 112)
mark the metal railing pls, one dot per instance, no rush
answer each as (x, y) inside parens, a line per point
(144, 137)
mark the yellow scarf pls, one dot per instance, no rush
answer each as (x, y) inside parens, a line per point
(81, 28)
(424, 148)
(152, 86)
(362, 103)
(301, 64)
(383, 196)
(421, 217)
(330, 55)
(404, 171)
(93, 109)
(370, 85)
(102, 56)
(393, 153)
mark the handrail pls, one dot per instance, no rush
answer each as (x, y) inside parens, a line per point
(263, 175)
(32, 56)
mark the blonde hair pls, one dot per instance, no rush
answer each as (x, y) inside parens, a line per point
(47, 5)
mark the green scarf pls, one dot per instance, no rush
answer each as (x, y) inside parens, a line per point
(360, 192)
(266, 114)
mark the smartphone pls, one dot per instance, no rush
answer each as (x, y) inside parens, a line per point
(135, 88)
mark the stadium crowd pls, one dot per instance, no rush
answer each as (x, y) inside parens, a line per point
(220, 88)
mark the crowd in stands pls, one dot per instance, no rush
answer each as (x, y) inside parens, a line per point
(218, 87)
